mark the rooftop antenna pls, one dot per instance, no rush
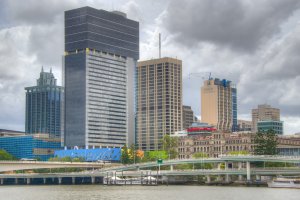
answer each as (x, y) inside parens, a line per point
(159, 38)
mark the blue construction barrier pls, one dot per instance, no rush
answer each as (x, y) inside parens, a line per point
(91, 155)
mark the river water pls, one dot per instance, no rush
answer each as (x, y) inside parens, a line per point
(100, 192)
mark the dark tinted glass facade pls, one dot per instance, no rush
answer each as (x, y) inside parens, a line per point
(234, 110)
(101, 30)
(101, 50)
(43, 106)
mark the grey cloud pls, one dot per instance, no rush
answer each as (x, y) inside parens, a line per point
(284, 63)
(37, 11)
(240, 25)
(47, 43)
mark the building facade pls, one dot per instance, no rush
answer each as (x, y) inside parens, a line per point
(276, 126)
(37, 146)
(159, 101)
(244, 125)
(216, 144)
(234, 109)
(44, 106)
(264, 112)
(5, 133)
(289, 145)
(217, 105)
(187, 116)
(101, 53)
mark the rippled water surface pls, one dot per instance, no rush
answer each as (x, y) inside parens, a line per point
(83, 192)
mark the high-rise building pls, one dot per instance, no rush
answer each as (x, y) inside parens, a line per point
(218, 104)
(264, 112)
(159, 101)
(101, 52)
(187, 116)
(234, 109)
(44, 106)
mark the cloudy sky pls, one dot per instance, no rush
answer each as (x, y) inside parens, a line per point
(254, 43)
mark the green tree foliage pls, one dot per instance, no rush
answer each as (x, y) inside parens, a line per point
(125, 156)
(155, 155)
(238, 153)
(4, 155)
(265, 143)
(202, 165)
(170, 145)
(66, 159)
(200, 155)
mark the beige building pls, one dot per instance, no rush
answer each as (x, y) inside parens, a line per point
(7, 133)
(159, 101)
(244, 125)
(187, 116)
(216, 144)
(264, 112)
(216, 103)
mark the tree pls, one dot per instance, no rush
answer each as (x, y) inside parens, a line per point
(4, 155)
(125, 157)
(170, 145)
(238, 153)
(201, 165)
(265, 143)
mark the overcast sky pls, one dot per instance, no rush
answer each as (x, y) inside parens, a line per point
(254, 43)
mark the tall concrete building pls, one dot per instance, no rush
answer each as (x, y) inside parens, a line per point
(217, 103)
(159, 101)
(101, 53)
(187, 117)
(264, 112)
(44, 106)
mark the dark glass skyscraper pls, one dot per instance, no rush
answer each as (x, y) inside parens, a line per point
(234, 109)
(43, 106)
(101, 52)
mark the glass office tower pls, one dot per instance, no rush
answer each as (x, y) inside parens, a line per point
(43, 106)
(234, 110)
(101, 52)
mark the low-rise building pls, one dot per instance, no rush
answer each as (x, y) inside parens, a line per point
(5, 133)
(289, 145)
(216, 144)
(37, 146)
(276, 126)
(224, 143)
(244, 125)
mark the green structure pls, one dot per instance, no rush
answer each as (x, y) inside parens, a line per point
(44, 106)
(264, 126)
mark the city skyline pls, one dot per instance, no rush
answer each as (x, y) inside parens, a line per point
(259, 55)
